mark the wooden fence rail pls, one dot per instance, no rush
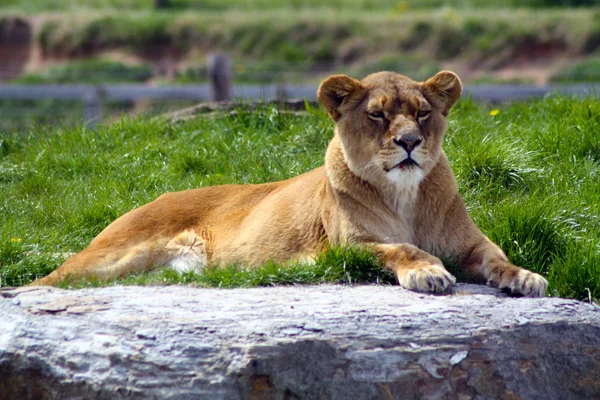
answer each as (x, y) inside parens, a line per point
(94, 95)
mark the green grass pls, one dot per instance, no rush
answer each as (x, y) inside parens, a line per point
(313, 40)
(275, 44)
(23, 115)
(529, 176)
(301, 40)
(20, 115)
(90, 71)
(336, 265)
(244, 71)
(318, 35)
(53, 5)
(587, 70)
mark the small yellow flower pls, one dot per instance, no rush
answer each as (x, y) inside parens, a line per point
(16, 240)
(493, 113)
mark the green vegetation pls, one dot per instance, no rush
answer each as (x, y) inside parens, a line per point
(583, 71)
(54, 5)
(415, 67)
(301, 40)
(528, 172)
(336, 265)
(92, 71)
(20, 115)
(262, 71)
(23, 115)
(310, 41)
(288, 44)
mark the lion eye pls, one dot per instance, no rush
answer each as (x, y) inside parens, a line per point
(376, 115)
(423, 114)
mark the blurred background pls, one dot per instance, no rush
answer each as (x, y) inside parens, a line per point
(145, 57)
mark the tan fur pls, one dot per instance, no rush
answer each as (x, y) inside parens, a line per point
(365, 194)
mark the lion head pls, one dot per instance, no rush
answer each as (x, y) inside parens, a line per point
(389, 126)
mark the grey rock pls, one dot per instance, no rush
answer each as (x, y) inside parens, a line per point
(336, 342)
(458, 357)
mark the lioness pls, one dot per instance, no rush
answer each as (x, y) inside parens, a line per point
(386, 184)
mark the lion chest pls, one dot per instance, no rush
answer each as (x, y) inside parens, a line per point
(380, 224)
(396, 229)
(396, 224)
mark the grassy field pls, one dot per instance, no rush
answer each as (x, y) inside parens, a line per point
(54, 5)
(90, 71)
(312, 41)
(529, 173)
(320, 36)
(584, 71)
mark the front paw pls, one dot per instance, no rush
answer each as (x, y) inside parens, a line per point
(415, 269)
(426, 277)
(520, 282)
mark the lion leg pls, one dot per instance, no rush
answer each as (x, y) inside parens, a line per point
(104, 260)
(488, 263)
(102, 263)
(414, 268)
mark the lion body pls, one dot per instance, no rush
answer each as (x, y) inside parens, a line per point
(386, 184)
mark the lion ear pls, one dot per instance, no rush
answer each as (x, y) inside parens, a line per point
(336, 91)
(446, 87)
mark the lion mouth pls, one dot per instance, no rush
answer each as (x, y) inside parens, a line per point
(408, 164)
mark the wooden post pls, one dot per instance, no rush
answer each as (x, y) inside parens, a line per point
(280, 94)
(219, 77)
(92, 114)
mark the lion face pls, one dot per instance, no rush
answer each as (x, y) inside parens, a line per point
(390, 127)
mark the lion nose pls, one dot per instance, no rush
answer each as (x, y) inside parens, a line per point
(408, 142)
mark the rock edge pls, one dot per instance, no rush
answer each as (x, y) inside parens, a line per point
(305, 342)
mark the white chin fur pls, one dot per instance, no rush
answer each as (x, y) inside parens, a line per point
(407, 179)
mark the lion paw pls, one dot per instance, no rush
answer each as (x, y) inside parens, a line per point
(523, 283)
(426, 278)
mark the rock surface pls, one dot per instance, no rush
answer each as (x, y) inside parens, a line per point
(308, 342)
